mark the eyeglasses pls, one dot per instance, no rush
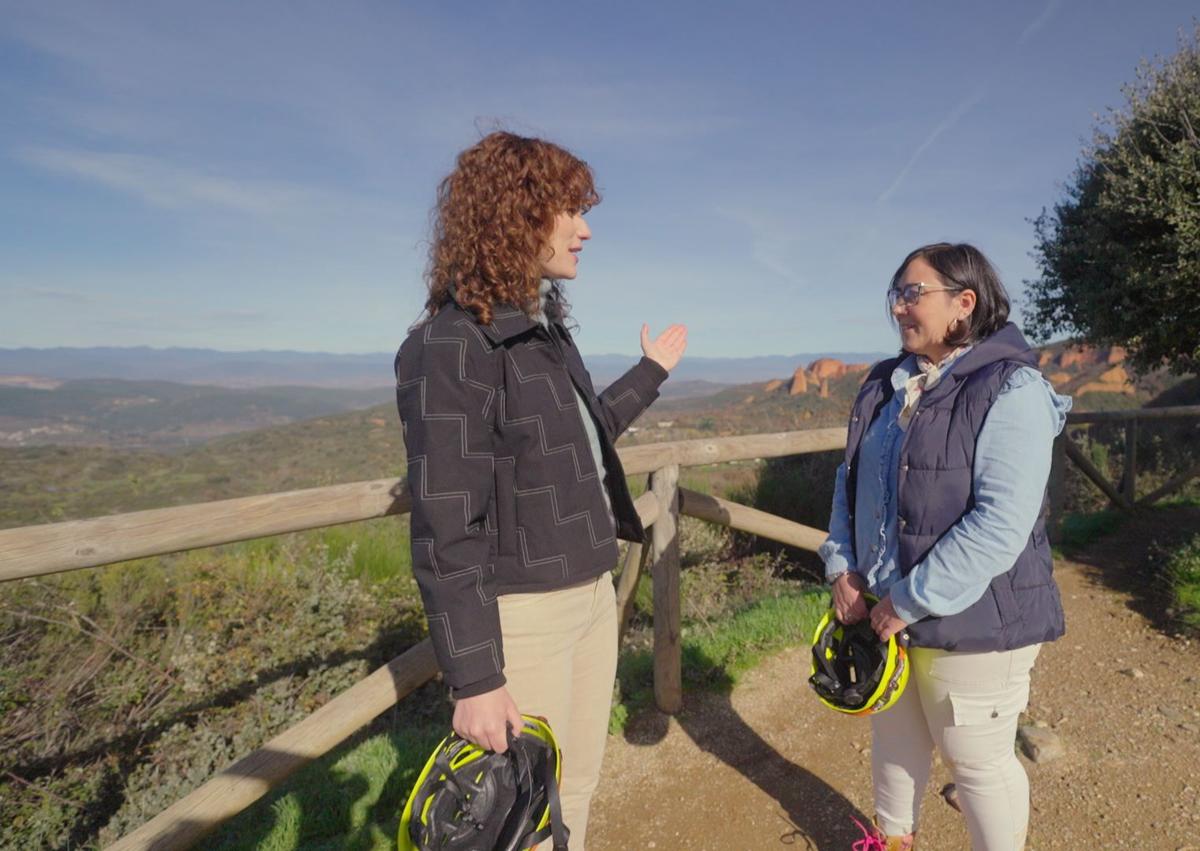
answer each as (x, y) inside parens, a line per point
(910, 294)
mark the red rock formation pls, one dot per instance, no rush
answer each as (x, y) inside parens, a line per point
(1116, 355)
(772, 386)
(823, 368)
(799, 382)
(824, 390)
(1081, 356)
(1106, 387)
(1116, 375)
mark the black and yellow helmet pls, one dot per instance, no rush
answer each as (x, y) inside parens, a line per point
(852, 670)
(470, 799)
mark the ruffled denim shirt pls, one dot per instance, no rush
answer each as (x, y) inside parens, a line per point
(1012, 464)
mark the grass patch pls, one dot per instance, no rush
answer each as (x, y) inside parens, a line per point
(1079, 530)
(350, 799)
(1183, 572)
(717, 655)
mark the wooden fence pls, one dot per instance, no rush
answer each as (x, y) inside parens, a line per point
(1122, 495)
(73, 545)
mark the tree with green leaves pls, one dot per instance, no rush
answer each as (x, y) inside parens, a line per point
(1119, 256)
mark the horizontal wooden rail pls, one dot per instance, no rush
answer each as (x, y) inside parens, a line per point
(1179, 411)
(693, 453)
(746, 519)
(55, 547)
(241, 784)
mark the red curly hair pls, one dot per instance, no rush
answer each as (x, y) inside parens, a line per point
(494, 215)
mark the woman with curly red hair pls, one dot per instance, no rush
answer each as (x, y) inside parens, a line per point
(518, 495)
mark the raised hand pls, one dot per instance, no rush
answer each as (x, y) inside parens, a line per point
(667, 348)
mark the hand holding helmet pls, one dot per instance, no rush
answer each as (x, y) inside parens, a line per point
(485, 719)
(884, 619)
(848, 602)
(853, 670)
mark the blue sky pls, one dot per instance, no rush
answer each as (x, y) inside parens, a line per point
(259, 175)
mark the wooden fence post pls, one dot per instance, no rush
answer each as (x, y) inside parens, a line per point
(1129, 480)
(664, 554)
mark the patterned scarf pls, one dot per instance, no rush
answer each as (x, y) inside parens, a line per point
(928, 374)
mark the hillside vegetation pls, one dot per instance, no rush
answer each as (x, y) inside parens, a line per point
(158, 414)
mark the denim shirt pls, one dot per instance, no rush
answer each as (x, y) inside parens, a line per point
(1012, 464)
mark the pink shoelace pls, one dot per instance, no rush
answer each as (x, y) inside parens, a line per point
(870, 840)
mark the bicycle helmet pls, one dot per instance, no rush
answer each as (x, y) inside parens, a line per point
(852, 670)
(470, 799)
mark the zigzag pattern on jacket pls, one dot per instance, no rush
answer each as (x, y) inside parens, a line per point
(473, 506)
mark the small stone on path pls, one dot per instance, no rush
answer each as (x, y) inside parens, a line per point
(1040, 745)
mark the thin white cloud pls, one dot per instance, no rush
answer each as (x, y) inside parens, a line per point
(1034, 27)
(772, 247)
(52, 294)
(234, 316)
(1040, 21)
(163, 184)
(946, 123)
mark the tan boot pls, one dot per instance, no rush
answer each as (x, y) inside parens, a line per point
(907, 842)
(876, 840)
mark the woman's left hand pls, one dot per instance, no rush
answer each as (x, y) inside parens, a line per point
(667, 348)
(884, 619)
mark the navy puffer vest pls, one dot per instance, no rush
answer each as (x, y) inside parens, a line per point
(937, 458)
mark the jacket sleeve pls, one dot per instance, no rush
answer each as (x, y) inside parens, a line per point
(446, 394)
(838, 550)
(623, 401)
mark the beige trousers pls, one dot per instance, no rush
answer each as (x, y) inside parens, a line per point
(560, 660)
(967, 705)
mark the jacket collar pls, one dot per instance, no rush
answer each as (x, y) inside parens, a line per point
(1007, 344)
(508, 322)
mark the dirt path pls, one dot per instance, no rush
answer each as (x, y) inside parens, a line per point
(769, 767)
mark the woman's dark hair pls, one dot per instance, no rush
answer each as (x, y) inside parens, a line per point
(963, 267)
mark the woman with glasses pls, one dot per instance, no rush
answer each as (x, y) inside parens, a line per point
(939, 511)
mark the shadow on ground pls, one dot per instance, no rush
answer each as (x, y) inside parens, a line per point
(812, 814)
(1130, 558)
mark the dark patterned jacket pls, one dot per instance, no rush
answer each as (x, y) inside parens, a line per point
(505, 493)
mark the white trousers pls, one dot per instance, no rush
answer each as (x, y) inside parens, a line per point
(560, 660)
(967, 705)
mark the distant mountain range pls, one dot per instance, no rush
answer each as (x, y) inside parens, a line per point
(41, 403)
(320, 369)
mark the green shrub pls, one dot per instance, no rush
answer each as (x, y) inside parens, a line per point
(1079, 530)
(1183, 572)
